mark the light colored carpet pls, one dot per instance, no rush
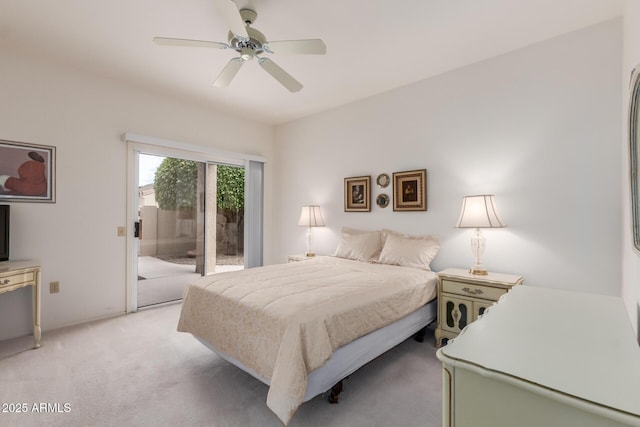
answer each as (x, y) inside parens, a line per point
(136, 370)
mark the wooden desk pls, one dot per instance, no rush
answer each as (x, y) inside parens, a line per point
(18, 274)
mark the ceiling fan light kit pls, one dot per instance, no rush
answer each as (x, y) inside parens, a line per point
(250, 43)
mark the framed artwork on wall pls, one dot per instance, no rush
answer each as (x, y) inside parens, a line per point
(410, 190)
(27, 172)
(357, 196)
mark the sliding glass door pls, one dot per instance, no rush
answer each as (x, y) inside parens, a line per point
(190, 222)
(205, 217)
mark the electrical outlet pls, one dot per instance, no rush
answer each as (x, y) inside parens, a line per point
(54, 287)
(121, 231)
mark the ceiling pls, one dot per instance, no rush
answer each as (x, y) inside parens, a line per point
(372, 45)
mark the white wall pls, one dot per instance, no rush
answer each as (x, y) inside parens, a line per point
(538, 127)
(75, 238)
(630, 257)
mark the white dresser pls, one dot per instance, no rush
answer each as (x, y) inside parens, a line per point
(543, 357)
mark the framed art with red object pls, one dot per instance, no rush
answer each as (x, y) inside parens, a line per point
(27, 172)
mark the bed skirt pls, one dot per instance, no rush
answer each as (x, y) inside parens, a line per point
(348, 358)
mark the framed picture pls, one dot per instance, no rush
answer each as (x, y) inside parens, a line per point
(27, 172)
(410, 190)
(357, 196)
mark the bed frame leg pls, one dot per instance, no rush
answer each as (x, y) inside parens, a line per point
(419, 336)
(335, 391)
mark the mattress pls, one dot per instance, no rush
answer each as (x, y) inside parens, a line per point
(282, 322)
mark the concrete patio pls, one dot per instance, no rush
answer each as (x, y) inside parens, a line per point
(162, 281)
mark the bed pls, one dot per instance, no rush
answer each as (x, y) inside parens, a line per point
(302, 327)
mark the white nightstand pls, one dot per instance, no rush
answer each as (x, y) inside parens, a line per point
(299, 257)
(463, 297)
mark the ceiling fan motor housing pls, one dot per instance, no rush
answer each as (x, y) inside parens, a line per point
(248, 48)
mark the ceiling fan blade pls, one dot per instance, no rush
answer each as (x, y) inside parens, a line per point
(231, 15)
(228, 72)
(167, 41)
(305, 47)
(280, 75)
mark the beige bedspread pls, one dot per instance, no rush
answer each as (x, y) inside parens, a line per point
(284, 321)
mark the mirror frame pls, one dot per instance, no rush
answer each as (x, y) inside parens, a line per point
(634, 152)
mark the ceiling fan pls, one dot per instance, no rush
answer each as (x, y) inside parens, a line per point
(250, 43)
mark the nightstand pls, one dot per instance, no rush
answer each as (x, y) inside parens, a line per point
(299, 257)
(463, 297)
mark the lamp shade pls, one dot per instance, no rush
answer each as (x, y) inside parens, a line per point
(479, 212)
(310, 216)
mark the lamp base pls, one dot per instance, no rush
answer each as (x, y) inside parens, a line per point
(477, 248)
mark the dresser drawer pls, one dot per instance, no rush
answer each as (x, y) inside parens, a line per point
(16, 279)
(472, 290)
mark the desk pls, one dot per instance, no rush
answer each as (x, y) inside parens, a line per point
(18, 274)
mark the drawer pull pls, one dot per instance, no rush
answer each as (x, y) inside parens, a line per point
(472, 291)
(5, 281)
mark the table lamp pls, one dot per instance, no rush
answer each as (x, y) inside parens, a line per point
(479, 212)
(310, 216)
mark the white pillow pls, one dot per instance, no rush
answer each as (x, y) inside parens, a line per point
(409, 251)
(359, 245)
